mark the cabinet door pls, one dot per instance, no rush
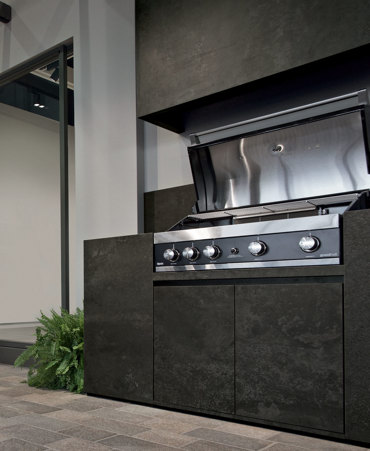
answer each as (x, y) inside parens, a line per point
(289, 354)
(119, 317)
(194, 347)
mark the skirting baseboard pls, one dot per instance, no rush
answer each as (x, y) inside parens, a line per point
(9, 351)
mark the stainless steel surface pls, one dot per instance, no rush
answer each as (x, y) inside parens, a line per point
(311, 110)
(172, 255)
(212, 252)
(191, 253)
(264, 264)
(284, 207)
(320, 158)
(309, 243)
(254, 228)
(257, 248)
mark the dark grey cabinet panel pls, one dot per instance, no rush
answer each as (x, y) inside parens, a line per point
(119, 317)
(357, 323)
(194, 347)
(289, 354)
(196, 48)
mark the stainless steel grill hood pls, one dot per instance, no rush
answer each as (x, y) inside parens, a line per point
(316, 150)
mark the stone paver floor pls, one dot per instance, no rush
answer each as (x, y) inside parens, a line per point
(33, 420)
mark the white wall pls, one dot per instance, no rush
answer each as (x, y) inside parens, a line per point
(105, 116)
(29, 215)
(165, 158)
(105, 112)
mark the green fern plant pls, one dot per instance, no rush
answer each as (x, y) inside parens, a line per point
(57, 352)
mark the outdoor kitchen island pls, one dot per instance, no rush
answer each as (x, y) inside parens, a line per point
(286, 347)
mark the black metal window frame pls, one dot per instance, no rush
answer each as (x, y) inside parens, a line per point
(60, 53)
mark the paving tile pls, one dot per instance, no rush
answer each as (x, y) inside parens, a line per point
(248, 431)
(226, 438)
(10, 370)
(132, 444)
(31, 434)
(8, 412)
(194, 419)
(68, 415)
(16, 391)
(313, 443)
(49, 398)
(166, 438)
(202, 445)
(86, 433)
(4, 437)
(282, 447)
(119, 415)
(119, 427)
(44, 422)
(33, 407)
(143, 410)
(167, 424)
(89, 403)
(76, 444)
(15, 444)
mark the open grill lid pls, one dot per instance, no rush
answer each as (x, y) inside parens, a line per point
(305, 153)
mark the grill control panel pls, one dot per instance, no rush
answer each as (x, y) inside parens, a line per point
(296, 248)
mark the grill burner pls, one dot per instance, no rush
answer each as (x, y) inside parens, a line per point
(274, 194)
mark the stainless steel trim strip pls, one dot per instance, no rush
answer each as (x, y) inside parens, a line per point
(253, 228)
(270, 120)
(264, 264)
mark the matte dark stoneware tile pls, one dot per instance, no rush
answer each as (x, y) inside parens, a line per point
(86, 433)
(14, 444)
(194, 347)
(32, 434)
(131, 443)
(229, 439)
(122, 293)
(313, 443)
(289, 354)
(34, 407)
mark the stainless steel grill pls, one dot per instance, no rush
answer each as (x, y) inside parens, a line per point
(273, 193)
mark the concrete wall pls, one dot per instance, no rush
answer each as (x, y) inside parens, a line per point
(30, 214)
(105, 114)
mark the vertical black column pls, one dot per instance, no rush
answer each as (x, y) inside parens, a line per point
(63, 132)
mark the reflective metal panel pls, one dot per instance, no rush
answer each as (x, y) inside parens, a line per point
(253, 228)
(268, 264)
(318, 158)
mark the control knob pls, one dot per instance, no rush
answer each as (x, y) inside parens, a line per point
(191, 253)
(257, 248)
(172, 255)
(309, 243)
(212, 252)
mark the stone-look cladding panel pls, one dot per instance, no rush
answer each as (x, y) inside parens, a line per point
(188, 49)
(357, 323)
(119, 317)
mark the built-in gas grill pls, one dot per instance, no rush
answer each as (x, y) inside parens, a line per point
(271, 191)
